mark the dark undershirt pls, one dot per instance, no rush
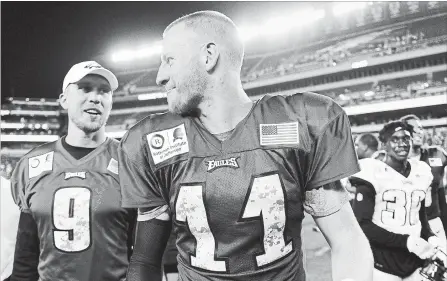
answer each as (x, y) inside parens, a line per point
(76, 151)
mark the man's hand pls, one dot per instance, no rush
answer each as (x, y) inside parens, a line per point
(420, 247)
(435, 241)
(439, 254)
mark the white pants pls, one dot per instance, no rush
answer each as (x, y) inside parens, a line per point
(382, 276)
(438, 228)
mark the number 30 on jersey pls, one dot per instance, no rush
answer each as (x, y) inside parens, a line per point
(398, 212)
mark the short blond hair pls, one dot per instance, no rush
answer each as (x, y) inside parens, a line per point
(220, 28)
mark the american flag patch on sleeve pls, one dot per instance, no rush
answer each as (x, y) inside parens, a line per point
(274, 134)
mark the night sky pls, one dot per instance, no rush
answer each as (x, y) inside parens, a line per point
(40, 41)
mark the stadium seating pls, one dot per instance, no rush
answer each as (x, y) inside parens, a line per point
(148, 79)
(7, 165)
(127, 79)
(383, 43)
(333, 52)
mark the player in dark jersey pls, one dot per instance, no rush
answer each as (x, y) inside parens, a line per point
(234, 177)
(72, 226)
(436, 158)
(390, 193)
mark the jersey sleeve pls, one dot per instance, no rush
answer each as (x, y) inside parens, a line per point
(426, 172)
(443, 183)
(18, 185)
(363, 208)
(369, 168)
(139, 185)
(333, 155)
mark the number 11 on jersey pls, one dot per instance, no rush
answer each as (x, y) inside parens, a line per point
(265, 199)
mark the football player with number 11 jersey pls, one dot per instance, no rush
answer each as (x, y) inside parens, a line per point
(232, 176)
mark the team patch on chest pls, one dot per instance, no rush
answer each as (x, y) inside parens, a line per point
(168, 143)
(40, 164)
(69, 175)
(214, 164)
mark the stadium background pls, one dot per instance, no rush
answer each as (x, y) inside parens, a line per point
(378, 60)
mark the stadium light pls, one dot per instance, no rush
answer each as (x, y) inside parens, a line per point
(281, 25)
(273, 26)
(346, 7)
(28, 138)
(5, 125)
(145, 52)
(122, 56)
(305, 17)
(278, 26)
(359, 64)
(248, 32)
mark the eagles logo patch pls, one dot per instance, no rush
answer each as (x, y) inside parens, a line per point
(69, 175)
(214, 164)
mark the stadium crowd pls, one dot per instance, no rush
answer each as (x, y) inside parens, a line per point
(402, 40)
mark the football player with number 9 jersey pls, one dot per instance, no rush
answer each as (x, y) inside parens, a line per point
(389, 205)
(72, 226)
(236, 176)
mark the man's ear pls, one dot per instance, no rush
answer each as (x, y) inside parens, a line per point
(63, 101)
(211, 56)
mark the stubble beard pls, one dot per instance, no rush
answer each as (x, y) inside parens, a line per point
(88, 127)
(193, 95)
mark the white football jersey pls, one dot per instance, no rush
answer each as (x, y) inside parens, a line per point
(398, 198)
(9, 222)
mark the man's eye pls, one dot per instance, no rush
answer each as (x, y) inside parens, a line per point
(87, 89)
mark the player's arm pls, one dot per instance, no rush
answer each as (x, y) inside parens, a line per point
(351, 253)
(333, 157)
(140, 189)
(150, 242)
(26, 254)
(426, 231)
(442, 199)
(131, 231)
(363, 207)
(443, 206)
(27, 250)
